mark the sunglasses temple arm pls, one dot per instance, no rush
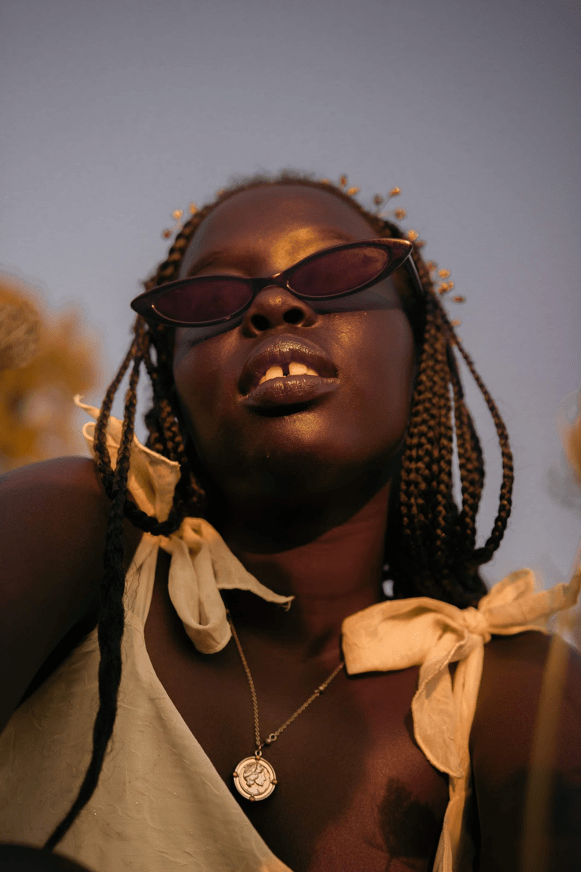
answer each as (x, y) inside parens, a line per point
(414, 275)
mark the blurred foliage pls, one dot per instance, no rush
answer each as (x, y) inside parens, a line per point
(569, 424)
(45, 359)
(571, 436)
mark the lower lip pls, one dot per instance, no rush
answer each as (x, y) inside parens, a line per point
(289, 391)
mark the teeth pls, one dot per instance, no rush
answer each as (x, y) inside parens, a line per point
(300, 369)
(293, 369)
(273, 372)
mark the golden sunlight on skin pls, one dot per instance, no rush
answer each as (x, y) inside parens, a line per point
(420, 749)
(262, 232)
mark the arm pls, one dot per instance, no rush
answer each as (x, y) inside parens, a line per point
(52, 534)
(524, 820)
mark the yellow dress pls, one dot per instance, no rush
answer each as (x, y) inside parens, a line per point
(160, 806)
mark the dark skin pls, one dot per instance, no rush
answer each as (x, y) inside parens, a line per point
(295, 484)
(304, 507)
(302, 501)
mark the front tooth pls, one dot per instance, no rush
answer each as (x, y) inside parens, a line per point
(273, 372)
(297, 369)
(311, 371)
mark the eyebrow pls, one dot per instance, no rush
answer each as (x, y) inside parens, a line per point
(221, 257)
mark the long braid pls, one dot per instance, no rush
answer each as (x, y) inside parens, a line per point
(431, 527)
(470, 460)
(431, 545)
(111, 618)
(414, 487)
(111, 611)
(425, 491)
(505, 498)
(441, 467)
(102, 457)
(166, 437)
(473, 455)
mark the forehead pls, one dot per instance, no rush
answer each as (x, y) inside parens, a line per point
(284, 219)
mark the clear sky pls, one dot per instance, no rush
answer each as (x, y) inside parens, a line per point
(115, 113)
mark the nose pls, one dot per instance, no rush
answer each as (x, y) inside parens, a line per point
(276, 307)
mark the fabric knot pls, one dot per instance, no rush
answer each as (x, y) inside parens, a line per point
(201, 566)
(152, 477)
(201, 563)
(433, 634)
(476, 622)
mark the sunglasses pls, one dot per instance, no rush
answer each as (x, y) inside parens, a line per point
(326, 275)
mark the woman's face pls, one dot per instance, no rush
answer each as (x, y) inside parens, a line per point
(324, 430)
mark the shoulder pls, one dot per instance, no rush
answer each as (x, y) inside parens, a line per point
(64, 475)
(57, 508)
(519, 674)
(48, 500)
(528, 718)
(52, 535)
(59, 505)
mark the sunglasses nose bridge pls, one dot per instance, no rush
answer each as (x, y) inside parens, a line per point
(274, 304)
(276, 281)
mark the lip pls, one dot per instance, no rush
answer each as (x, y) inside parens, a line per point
(290, 389)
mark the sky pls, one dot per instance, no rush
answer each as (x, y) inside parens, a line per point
(116, 113)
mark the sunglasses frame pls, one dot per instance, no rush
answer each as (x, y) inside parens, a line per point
(398, 249)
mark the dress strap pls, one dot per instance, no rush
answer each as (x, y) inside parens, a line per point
(140, 578)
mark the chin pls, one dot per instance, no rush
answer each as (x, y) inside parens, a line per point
(299, 477)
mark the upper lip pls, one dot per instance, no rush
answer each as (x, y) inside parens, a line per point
(280, 351)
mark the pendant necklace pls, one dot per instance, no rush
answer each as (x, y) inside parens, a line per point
(255, 777)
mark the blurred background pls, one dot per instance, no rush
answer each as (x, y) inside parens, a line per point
(117, 113)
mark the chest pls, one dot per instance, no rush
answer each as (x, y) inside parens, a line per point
(353, 789)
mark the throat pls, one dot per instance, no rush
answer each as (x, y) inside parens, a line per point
(333, 576)
(327, 582)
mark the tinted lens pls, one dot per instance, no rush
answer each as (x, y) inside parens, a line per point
(203, 300)
(337, 272)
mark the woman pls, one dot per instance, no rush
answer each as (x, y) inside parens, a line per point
(308, 416)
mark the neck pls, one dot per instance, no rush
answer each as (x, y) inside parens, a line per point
(332, 575)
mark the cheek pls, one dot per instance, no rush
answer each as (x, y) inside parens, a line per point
(396, 383)
(383, 368)
(365, 421)
(196, 370)
(400, 371)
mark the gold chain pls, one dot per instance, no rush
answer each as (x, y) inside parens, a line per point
(274, 736)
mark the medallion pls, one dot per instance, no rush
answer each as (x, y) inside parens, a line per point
(254, 778)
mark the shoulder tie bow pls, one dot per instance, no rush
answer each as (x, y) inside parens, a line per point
(432, 634)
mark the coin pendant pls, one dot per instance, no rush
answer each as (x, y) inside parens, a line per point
(254, 778)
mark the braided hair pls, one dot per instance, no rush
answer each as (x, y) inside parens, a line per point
(431, 548)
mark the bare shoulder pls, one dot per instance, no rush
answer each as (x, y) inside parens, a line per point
(516, 668)
(53, 520)
(51, 513)
(66, 476)
(529, 699)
